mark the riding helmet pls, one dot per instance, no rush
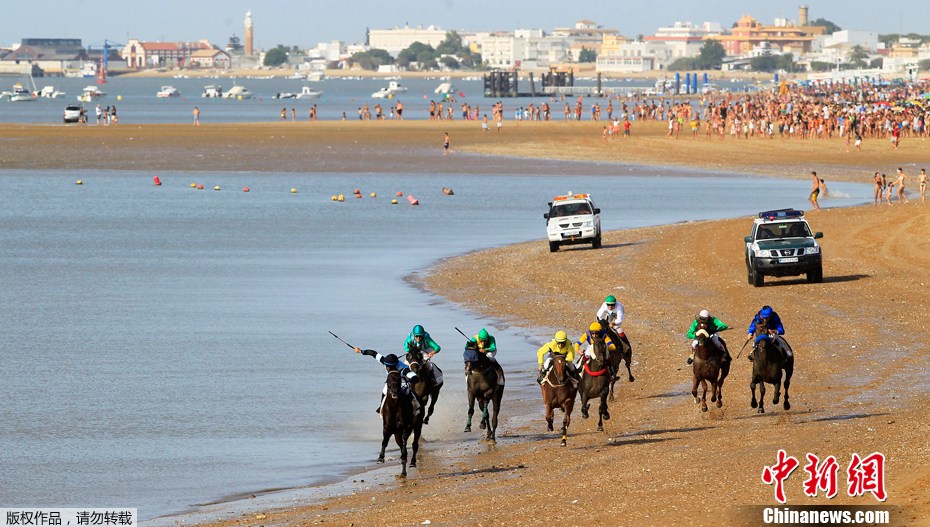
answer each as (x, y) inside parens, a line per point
(390, 360)
(765, 312)
(483, 334)
(704, 314)
(611, 299)
(595, 326)
(561, 336)
(418, 331)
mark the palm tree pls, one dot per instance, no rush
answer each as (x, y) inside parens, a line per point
(857, 56)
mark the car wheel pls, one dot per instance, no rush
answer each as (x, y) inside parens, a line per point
(756, 278)
(596, 244)
(553, 247)
(815, 275)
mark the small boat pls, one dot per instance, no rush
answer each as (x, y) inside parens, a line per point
(21, 94)
(392, 89)
(168, 91)
(315, 76)
(285, 95)
(49, 92)
(308, 93)
(444, 88)
(212, 91)
(238, 92)
(90, 93)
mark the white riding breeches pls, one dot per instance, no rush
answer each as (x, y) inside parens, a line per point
(714, 338)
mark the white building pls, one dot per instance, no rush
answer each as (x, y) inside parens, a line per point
(395, 40)
(329, 51)
(523, 49)
(865, 39)
(652, 55)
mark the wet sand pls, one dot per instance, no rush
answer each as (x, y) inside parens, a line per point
(861, 376)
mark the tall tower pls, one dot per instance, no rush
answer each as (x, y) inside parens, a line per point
(802, 16)
(249, 50)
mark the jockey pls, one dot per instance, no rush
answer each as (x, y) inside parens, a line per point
(391, 363)
(419, 342)
(773, 325)
(486, 344)
(586, 342)
(612, 312)
(713, 326)
(557, 346)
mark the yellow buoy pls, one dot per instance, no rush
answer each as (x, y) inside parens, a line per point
(342, 198)
(79, 182)
(293, 191)
(193, 185)
(373, 195)
(334, 198)
(393, 202)
(119, 97)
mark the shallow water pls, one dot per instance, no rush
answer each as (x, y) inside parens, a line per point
(166, 347)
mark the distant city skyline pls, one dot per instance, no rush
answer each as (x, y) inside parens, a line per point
(302, 23)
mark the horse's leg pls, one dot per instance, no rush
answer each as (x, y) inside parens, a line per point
(483, 406)
(777, 385)
(761, 396)
(789, 370)
(627, 359)
(550, 415)
(567, 419)
(402, 443)
(724, 372)
(694, 387)
(752, 388)
(584, 401)
(492, 429)
(432, 404)
(603, 408)
(613, 380)
(384, 442)
(704, 395)
(417, 430)
(471, 410)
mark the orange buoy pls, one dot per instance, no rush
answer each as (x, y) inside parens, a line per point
(157, 181)
(412, 200)
(245, 189)
(356, 191)
(200, 186)
(448, 191)
(399, 193)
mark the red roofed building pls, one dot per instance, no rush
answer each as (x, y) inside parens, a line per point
(139, 55)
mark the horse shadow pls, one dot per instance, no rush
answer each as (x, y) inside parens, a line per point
(847, 417)
(638, 441)
(657, 431)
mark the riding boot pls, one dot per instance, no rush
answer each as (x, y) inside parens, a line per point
(541, 376)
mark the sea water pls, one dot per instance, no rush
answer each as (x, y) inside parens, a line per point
(165, 347)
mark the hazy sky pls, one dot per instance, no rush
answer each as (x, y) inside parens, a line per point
(306, 22)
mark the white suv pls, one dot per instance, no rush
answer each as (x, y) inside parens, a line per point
(781, 243)
(572, 219)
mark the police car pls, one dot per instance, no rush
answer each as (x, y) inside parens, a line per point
(573, 219)
(781, 243)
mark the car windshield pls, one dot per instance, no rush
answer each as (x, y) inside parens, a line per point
(570, 209)
(792, 229)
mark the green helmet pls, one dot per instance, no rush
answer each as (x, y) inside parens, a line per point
(611, 299)
(418, 331)
(483, 334)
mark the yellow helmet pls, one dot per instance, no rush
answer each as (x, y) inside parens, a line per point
(561, 336)
(595, 326)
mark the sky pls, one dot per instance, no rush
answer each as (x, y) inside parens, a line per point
(306, 22)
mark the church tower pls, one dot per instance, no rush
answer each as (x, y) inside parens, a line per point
(249, 49)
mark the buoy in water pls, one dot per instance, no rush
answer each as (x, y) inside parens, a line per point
(373, 195)
(412, 200)
(193, 185)
(448, 191)
(399, 193)
(79, 182)
(334, 198)
(293, 191)
(341, 197)
(245, 189)
(216, 187)
(156, 181)
(200, 186)
(356, 191)
(393, 202)
(358, 195)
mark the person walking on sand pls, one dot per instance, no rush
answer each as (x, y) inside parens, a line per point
(484, 123)
(922, 180)
(900, 183)
(879, 187)
(446, 141)
(196, 116)
(818, 185)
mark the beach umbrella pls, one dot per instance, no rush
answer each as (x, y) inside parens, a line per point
(897, 109)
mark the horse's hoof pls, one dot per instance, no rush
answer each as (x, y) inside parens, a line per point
(380, 460)
(697, 400)
(761, 410)
(632, 378)
(607, 416)
(426, 421)
(468, 429)
(402, 475)
(563, 443)
(584, 414)
(713, 398)
(413, 464)
(753, 404)
(551, 429)
(482, 426)
(719, 403)
(704, 408)
(775, 400)
(787, 405)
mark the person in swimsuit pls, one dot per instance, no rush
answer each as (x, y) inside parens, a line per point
(879, 187)
(888, 187)
(815, 191)
(900, 183)
(922, 180)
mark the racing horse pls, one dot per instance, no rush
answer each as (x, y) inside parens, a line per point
(708, 367)
(485, 383)
(558, 391)
(401, 416)
(596, 379)
(624, 354)
(427, 390)
(768, 362)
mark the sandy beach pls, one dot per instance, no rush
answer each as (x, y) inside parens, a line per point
(861, 377)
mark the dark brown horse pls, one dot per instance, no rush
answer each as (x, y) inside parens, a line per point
(558, 391)
(427, 390)
(595, 379)
(487, 388)
(624, 353)
(768, 363)
(401, 416)
(708, 367)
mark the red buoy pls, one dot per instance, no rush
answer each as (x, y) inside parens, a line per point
(245, 189)
(157, 181)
